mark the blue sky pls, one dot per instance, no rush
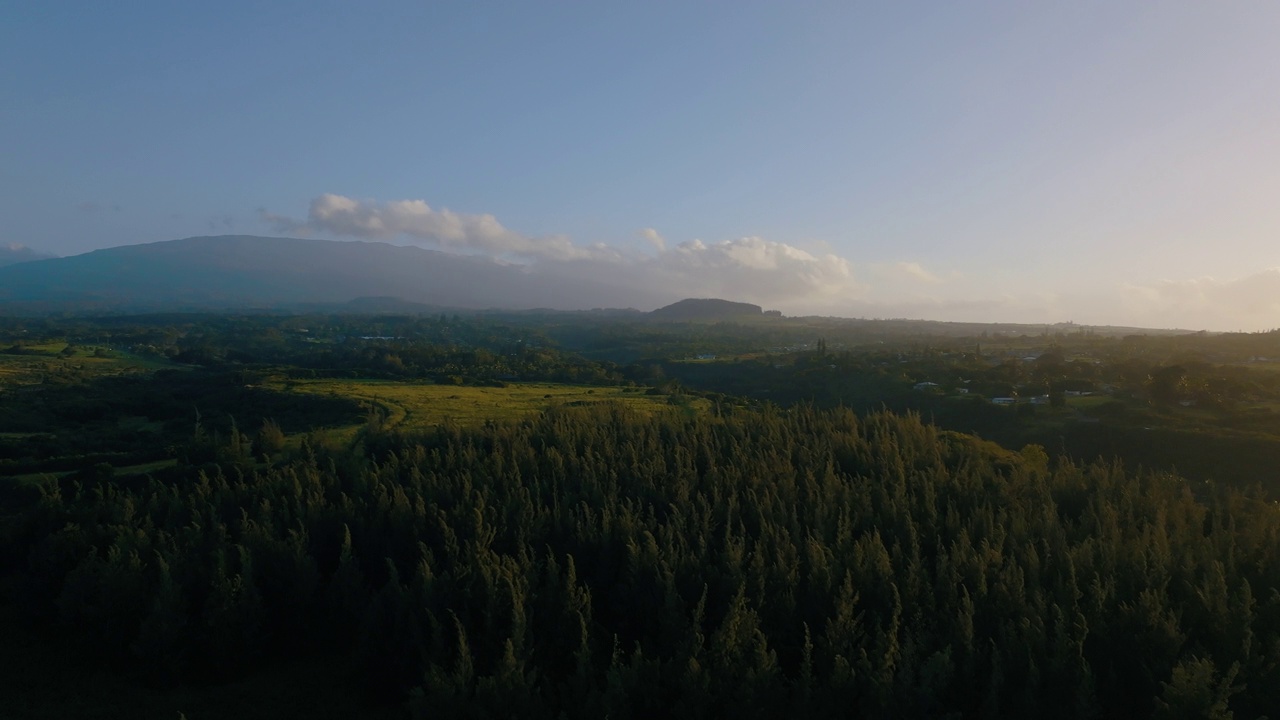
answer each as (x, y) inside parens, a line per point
(1102, 162)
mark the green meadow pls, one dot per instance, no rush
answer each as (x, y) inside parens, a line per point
(413, 406)
(38, 362)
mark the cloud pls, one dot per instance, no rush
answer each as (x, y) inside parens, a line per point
(775, 270)
(1247, 303)
(11, 253)
(754, 269)
(901, 271)
(654, 238)
(785, 277)
(417, 221)
(915, 271)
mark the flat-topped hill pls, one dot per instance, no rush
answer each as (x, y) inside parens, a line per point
(706, 309)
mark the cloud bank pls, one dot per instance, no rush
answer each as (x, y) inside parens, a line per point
(654, 238)
(764, 271)
(781, 276)
(1247, 303)
(416, 220)
(769, 273)
(914, 271)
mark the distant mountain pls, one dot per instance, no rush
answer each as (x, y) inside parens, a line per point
(706, 309)
(229, 272)
(12, 254)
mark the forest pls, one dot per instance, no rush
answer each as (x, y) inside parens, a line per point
(199, 518)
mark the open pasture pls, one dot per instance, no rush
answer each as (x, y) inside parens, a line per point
(411, 406)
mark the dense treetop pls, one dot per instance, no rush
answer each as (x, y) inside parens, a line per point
(757, 564)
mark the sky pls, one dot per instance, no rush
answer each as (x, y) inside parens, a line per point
(1095, 162)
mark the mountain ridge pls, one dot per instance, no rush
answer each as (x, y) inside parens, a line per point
(239, 271)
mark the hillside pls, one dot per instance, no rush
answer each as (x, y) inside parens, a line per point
(706, 309)
(228, 272)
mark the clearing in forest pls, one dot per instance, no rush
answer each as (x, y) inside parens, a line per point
(412, 406)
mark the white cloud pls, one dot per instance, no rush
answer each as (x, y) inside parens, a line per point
(654, 238)
(788, 278)
(773, 271)
(752, 269)
(1247, 303)
(415, 220)
(911, 272)
(915, 271)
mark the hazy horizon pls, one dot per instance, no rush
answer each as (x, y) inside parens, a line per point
(991, 162)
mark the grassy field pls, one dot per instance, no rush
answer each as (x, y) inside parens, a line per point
(401, 405)
(411, 406)
(1088, 402)
(47, 360)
